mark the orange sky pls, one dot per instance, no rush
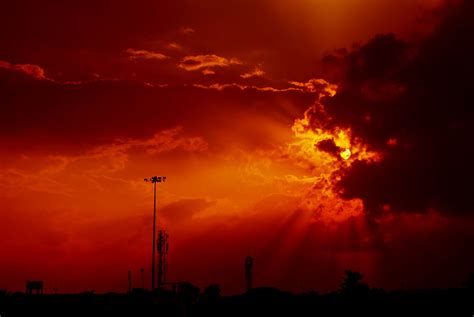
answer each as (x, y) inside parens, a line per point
(97, 95)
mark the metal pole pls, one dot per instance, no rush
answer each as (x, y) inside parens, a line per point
(154, 235)
(154, 180)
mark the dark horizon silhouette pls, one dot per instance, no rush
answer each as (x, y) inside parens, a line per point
(353, 297)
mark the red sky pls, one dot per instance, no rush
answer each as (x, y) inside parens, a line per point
(97, 95)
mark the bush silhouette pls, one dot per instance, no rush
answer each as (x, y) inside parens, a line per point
(352, 283)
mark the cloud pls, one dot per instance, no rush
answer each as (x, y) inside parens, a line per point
(31, 70)
(221, 87)
(140, 55)
(13, 180)
(322, 87)
(163, 141)
(36, 72)
(420, 95)
(100, 161)
(257, 72)
(328, 146)
(208, 71)
(174, 45)
(187, 30)
(115, 155)
(316, 85)
(198, 62)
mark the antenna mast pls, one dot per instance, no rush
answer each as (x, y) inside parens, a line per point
(163, 248)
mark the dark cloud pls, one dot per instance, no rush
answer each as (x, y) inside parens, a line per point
(414, 104)
(328, 146)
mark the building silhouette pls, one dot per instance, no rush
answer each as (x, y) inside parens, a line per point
(36, 286)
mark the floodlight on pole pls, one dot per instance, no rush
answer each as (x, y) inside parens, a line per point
(154, 180)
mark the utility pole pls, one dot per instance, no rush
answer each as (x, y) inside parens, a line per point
(154, 180)
(248, 272)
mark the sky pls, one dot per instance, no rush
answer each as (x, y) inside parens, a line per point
(313, 135)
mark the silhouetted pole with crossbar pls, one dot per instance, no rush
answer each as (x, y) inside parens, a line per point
(154, 180)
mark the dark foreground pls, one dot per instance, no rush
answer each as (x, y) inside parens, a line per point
(256, 302)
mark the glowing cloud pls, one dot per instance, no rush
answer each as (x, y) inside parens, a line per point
(28, 69)
(316, 85)
(257, 72)
(198, 62)
(138, 55)
(327, 153)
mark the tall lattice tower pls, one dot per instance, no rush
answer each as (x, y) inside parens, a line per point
(163, 248)
(248, 271)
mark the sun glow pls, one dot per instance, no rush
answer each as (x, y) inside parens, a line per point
(308, 133)
(345, 154)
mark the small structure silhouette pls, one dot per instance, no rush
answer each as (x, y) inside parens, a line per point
(248, 272)
(36, 286)
(142, 272)
(130, 281)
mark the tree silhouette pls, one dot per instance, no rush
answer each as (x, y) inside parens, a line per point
(212, 292)
(470, 281)
(187, 292)
(4, 294)
(352, 283)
